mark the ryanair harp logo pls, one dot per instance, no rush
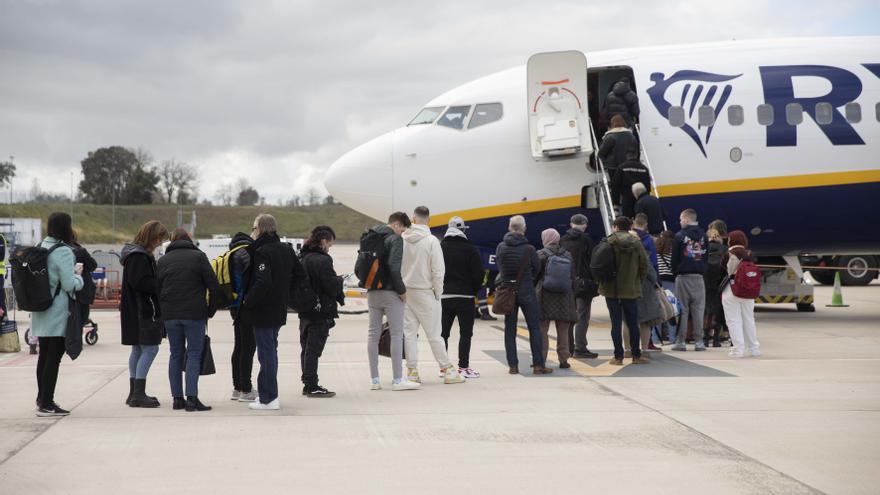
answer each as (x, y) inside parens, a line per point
(691, 89)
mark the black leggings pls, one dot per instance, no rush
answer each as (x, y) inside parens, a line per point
(51, 351)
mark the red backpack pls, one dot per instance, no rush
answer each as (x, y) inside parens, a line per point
(747, 281)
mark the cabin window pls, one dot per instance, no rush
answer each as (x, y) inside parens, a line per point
(824, 113)
(735, 115)
(454, 117)
(676, 116)
(706, 116)
(877, 111)
(794, 114)
(853, 112)
(485, 113)
(426, 116)
(765, 114)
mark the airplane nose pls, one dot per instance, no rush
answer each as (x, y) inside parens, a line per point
(361, 178)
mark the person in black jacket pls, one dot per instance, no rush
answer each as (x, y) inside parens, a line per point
(650, 206)
(461, 282)
(184, 276)
(85, 296)
(616, 143)
(629, 173)
(275, 269)
(314, 326)
(139, 309)
(623, 101)
(245, 346)
(689, 263)
(511, 254)
(577, 242)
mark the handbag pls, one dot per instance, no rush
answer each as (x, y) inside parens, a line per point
(207, 365)
(9, 340)
(667, 309)
(505, 294)
(385, 342)
(585, 288)
(73, 344)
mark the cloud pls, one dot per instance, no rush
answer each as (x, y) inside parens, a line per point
(276, 90)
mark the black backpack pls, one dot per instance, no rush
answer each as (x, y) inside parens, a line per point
(303, 298)
(602, 263)
(371, 267)
(30, 278)
(715, 269)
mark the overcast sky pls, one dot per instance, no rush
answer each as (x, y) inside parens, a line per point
(276, 91)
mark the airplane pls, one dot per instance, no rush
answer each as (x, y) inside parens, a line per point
(780, 138)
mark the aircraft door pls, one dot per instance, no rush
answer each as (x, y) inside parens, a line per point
(559, 122)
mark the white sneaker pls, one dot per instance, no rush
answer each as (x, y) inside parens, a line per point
(755, 353)
(272, 406)
(735, 354)
(405, 385)
(412, 374)
(453, 376)
(375, 384)
(469, 372)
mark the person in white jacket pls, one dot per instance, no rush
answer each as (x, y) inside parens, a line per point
(423, 270)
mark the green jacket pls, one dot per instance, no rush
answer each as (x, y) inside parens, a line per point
(632, 267)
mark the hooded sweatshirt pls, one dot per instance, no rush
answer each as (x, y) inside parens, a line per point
(632, 267)
(422, 266)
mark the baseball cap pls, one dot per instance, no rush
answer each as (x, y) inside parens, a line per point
(457, 223)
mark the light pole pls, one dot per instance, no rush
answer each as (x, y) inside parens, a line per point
(113, 196)
(11, 162)
(71, 195)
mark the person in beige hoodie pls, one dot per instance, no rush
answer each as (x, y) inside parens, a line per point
(423, 270)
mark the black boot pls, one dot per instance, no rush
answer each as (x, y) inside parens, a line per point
(139, 398)
(179, 403)
(194, 404)
(130, 391)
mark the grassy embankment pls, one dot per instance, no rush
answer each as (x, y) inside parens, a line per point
(94, 222)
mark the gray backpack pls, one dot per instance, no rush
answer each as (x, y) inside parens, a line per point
(557, 274)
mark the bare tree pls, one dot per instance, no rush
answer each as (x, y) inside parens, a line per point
(313, 197)
(294, 201)
(179, 177)
(225, 195)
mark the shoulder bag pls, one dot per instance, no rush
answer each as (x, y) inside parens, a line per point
(505, 294)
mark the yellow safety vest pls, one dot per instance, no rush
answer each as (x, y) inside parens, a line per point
(5, 255)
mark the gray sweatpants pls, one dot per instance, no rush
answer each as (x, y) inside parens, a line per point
(584, 305)
(690, 290)
(385, 303)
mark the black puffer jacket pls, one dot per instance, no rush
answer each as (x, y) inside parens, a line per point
(464, 268)
(326, 284)
(650, 206)
(623, 101)
(184, 277)
(275, 268)
(509, 255)
(615, 144)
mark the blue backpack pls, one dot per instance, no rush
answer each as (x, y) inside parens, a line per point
(557, 274)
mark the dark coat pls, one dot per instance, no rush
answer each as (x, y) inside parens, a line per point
(615, 144)
(555, 306)
(648, 305)
(623, 101)
(580, 246)
(464, 267)
(626, 175)
(140, 296)
(86, 295)
(267, 295)
(324, 281)
(650, 206)
(632, 267)
(689, 251)
(509, 255)
(239, 270)
(185, 274)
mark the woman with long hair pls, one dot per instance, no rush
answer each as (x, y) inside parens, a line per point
(139, 309)
(49, 326)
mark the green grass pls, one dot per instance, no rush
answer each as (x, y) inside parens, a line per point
(94, 222)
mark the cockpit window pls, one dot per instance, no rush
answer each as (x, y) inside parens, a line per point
(485, 113)
(454, 117)
(426, 116)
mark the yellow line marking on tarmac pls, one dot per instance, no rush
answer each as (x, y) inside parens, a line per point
(578, 366)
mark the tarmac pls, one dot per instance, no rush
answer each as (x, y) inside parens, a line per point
(803, 418)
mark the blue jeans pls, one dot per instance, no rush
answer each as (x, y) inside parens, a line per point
(140, 360)
(527, 300)
(185, 337)
(618, 310)
(267, 353)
